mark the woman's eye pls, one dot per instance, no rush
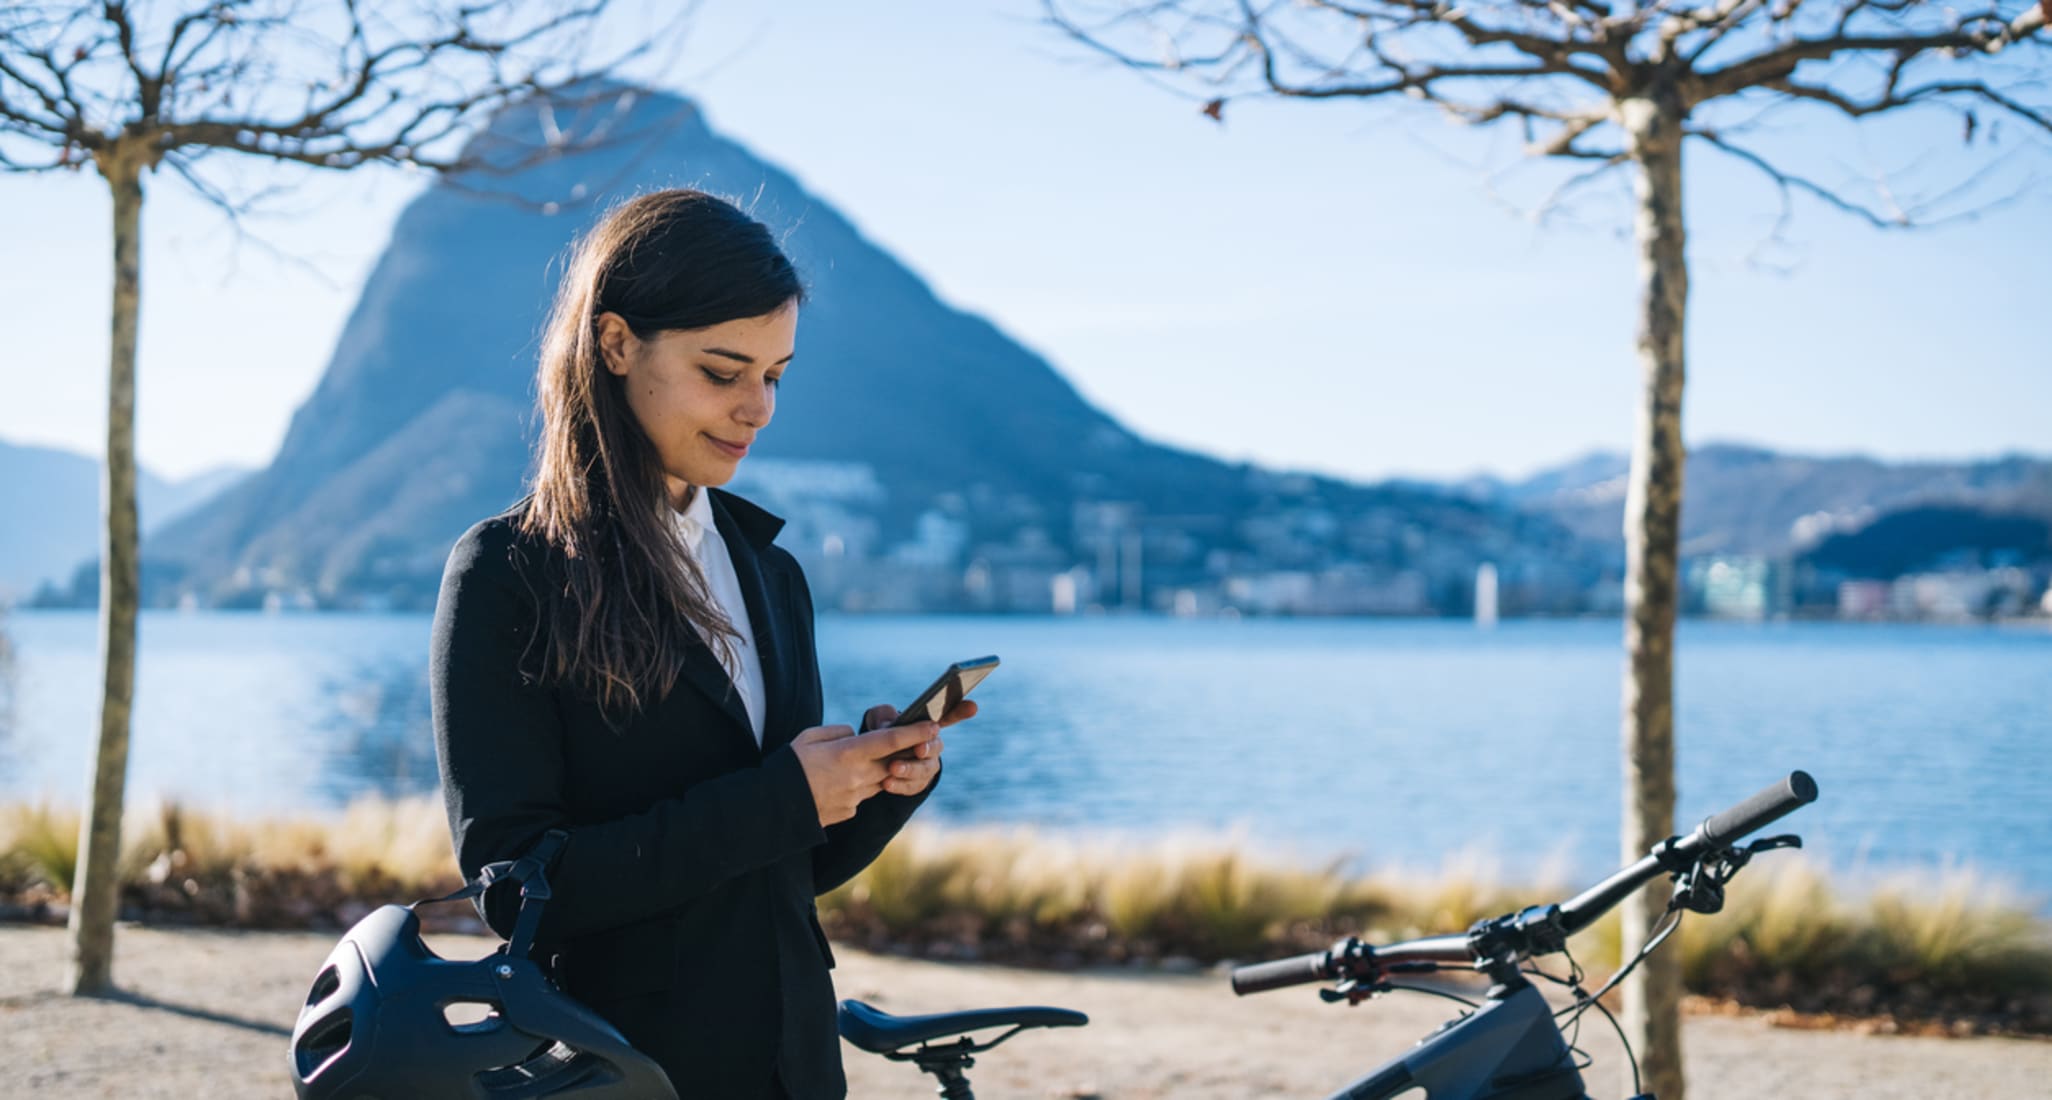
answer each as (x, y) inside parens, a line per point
(719, 379)
(776, 381)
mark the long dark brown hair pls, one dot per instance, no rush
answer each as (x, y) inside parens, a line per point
(617, 612)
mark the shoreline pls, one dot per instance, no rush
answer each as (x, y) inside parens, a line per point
(1693, 1004)
(207, 1012)
(1925, 956)
(2038, 620)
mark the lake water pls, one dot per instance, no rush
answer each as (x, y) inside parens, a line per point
(1389, 741)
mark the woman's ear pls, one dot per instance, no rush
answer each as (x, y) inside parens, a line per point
(616, 342)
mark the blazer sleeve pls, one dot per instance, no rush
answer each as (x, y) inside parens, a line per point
(498, 740)
(855, 843)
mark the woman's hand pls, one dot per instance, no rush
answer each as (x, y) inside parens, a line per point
(846, 768)
(913, 771)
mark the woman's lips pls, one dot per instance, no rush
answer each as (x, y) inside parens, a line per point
(734, 450)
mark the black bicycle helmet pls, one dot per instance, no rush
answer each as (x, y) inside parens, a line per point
(378, 1024)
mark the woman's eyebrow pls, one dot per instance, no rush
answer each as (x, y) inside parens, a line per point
(740, 358)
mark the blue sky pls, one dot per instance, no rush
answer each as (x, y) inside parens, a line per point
(1311, 285)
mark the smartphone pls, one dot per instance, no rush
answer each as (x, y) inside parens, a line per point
(942, 695)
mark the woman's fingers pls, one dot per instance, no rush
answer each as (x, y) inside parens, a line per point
(908, 777)
(960, 712)
(883, 743)
(913, 769)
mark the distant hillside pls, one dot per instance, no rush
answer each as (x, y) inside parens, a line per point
(1746, 500)
(422, 421)
(1923, 537)
(54, 498)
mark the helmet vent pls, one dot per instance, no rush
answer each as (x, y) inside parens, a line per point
(472, 1017)
(321, 1042)
(556, 1066)
(324, 985)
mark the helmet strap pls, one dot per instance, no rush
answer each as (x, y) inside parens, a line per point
(530, 872)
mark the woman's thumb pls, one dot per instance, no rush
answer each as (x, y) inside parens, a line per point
(823, 733)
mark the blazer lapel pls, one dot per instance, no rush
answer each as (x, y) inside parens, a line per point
(702, 667)
(766, 619)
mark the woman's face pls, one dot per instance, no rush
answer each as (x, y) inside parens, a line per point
(701, 395)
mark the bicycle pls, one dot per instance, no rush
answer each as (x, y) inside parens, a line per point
(1509, 1046)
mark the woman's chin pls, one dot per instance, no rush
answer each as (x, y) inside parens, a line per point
(712, 475)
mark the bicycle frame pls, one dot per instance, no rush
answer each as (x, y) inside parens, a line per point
(1509, 1049)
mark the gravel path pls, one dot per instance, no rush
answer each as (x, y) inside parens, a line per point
(207, 1014)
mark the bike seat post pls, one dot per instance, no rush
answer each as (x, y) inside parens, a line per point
(954, 1083)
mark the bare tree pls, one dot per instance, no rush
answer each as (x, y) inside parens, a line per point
(1615, 84)
(335, 85)
(7, 673)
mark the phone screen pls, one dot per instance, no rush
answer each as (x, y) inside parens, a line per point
(942, 695)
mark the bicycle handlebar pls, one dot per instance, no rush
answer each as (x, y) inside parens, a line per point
(1278, 973)
(1718, 831)
(1764, 808)
(1769, 804)
(1318, 966)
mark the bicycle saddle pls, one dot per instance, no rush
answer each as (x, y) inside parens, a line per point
(880, 1032)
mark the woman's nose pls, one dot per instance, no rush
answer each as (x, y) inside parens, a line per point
(760, 405)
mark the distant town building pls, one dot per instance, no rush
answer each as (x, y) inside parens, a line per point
(1485, 595)
(1863, 599)
(1734, 587)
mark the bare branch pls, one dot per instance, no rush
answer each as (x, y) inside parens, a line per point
(147, 90)
(55, 121)
(1788, 181)
(170, 67)
(1482, 62)
(1897, 217)
(1555, 55)
(10, 165)
(1781, 62)
(1550, 208)
(1889, 99)
(1254, 38)
(1090, 39)
(1563, 143)
(234, 210)
(1713, 22)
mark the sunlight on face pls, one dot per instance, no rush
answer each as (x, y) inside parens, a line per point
(702, 394)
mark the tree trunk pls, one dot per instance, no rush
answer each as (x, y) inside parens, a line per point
(6, 679)
(1652, 995)
(95, 892)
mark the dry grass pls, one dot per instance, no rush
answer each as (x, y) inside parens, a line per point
(1953, 948)
(1964, 931)
(179, 865)
(1181, 894)
(1953, 945)
(38, 843)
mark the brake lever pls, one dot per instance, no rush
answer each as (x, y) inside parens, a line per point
(1701, 887)
(1353, 991)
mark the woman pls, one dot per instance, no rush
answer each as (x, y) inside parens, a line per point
(626, 655)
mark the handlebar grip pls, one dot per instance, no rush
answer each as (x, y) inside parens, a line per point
(1295, 970)
(1767, 806)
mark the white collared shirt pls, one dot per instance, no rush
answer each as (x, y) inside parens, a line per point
(702, 538)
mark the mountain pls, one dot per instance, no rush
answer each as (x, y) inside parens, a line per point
(58, 493)
(1748, 500)
(175, 498)
(1928, 536)
(423, 419)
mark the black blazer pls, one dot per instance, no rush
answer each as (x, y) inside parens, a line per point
(683, 901)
